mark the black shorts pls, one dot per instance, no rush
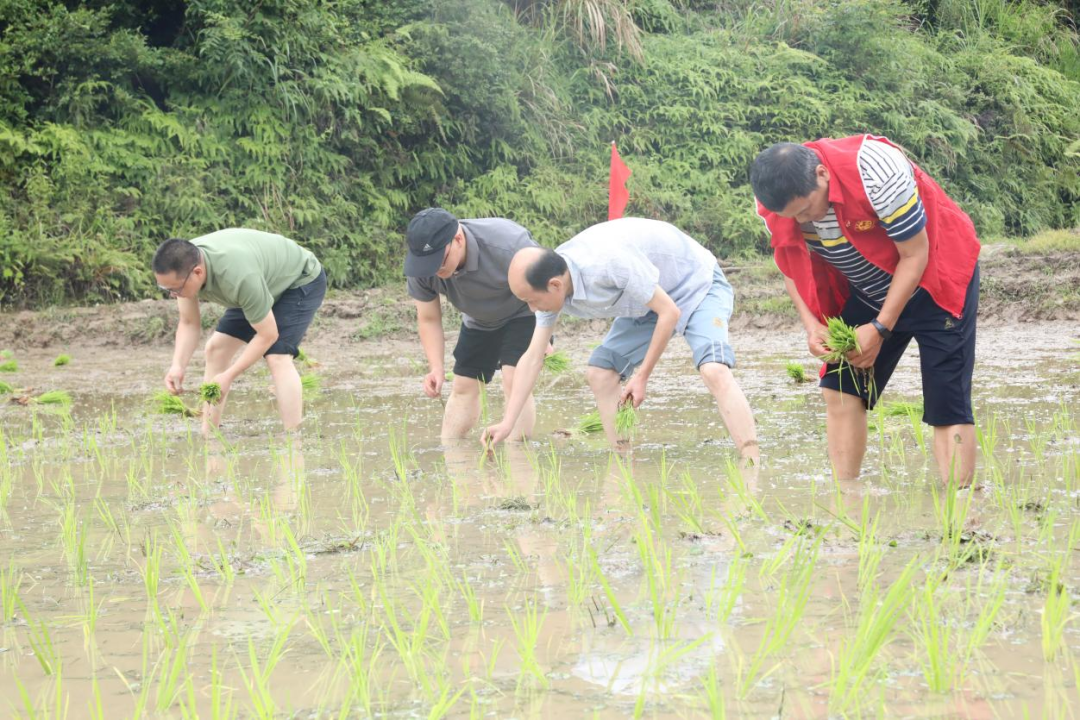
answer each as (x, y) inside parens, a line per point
(479, 353)
(946, 355)
(293, 313)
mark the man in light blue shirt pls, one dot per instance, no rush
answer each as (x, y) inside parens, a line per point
(656, 281)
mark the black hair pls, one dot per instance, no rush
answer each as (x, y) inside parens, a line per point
(176, 256)
(549, 265)
(783, 172)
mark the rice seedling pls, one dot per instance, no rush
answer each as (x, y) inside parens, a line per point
(951, 511)
(10, 580)
(797, 372)
(1056, 607)
(625, 421)
(9, 366)
(61, 360)
(53, 397)
(310, 384)
(257, 680)
(6, 388)
(41, 644)
(935, 640)
(360, 666)
(737, 484)
(714, 695)
(988, 606)
(305, 359)
(210, 392)
(790, 603)
(557, 362)
(165, 403)
(527, 625)
(874, 630)
(720, 602)
(590, 423)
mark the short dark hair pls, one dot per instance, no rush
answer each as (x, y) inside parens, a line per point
(782, 173)
(549, 265)
(176, 256)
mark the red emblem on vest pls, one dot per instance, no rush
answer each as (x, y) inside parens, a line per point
(864, 225)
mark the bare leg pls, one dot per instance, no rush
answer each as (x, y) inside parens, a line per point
(527, 420)
(289, 391)
(845, 423)
(605, 387)
(218, 354)
(462, 409)
(734, 409)
(954, 449)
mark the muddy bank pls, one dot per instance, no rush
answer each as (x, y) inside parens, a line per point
(1015, 288)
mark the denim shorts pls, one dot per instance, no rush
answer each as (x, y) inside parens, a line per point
(946, 355)
(625, 345)
(293, 313)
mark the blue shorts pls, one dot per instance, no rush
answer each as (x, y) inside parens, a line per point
(293, 313)
(946, 355)
(706, 333)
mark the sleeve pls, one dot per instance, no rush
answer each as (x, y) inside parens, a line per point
(421, 289)
(635, 276)
(254, 298)
(546, 319)
(889, 182)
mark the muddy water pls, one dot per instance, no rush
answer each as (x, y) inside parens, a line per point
(369, 568)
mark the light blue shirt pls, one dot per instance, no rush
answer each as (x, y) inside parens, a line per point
(616, 266)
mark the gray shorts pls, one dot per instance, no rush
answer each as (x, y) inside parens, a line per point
(706, 333)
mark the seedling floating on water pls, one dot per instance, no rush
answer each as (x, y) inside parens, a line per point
(53, 397)
(557, 362)
(310, 383)
(797, 372)
(61, 360)
(210, 393)
(165, 403)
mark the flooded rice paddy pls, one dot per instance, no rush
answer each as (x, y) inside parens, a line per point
(369, 571)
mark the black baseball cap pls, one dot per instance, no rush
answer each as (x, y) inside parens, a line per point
(429, 232)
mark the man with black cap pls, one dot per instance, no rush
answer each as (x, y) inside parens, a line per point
(467, 261)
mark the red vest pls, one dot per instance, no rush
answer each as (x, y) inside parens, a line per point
(954, 248)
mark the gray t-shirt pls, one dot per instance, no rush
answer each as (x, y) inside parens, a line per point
(480, 290)
(616, 266)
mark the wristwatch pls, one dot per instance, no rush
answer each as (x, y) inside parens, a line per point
(883, 331)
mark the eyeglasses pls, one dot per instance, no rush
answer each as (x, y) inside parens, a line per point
(177, 291)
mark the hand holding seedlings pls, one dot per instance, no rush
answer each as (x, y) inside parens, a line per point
(174, 380)
(634, 390)
(868, 343)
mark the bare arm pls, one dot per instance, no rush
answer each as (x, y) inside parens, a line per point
(188, 332)
(429, 326)
(914, 254)
(266, 334)
(667, 318)
(525, 374)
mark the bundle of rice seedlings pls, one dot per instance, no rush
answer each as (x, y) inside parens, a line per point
(9, 366)
(61, 360)
(306, 359)
(165, 403)
(6, 388)
(841, 339)
(796, 372)
(310, 384)
(53, 397)
(557, 362)
(902, 408)
(210, 393)
(625, 421)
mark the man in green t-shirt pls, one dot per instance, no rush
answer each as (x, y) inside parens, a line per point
(270, 287)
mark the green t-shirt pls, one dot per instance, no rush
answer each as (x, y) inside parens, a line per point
(250, 269)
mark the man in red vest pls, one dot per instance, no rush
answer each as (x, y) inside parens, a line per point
(862, 233)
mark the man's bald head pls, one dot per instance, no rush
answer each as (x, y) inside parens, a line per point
(539, 277)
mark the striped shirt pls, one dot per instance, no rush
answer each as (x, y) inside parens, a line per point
(889, 182)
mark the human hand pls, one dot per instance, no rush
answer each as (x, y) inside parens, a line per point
(634, 390)
(495, 434)
(174, 380)
(433, 383)
(869, 340)
(815, 340)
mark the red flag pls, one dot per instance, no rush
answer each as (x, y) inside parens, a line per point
(618, 195)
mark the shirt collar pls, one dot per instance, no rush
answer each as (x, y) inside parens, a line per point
(578, 289)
